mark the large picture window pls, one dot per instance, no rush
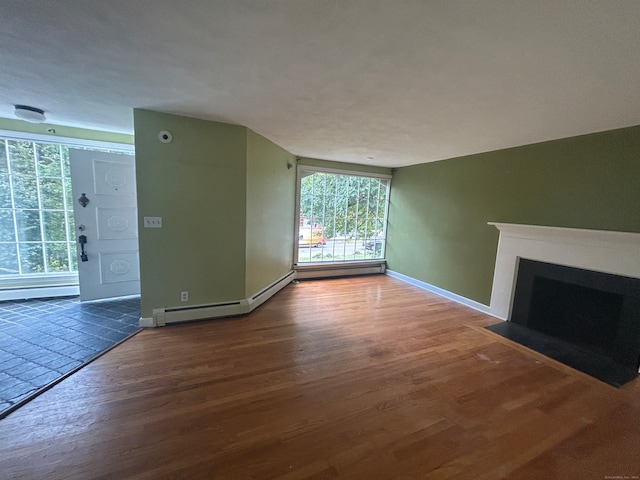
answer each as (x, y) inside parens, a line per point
(342, 216)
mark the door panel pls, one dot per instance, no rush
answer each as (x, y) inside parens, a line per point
(114, 223)
(113, 177)
(109, 221)
(118, 267)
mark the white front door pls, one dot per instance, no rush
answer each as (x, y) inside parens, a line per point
(105, 213)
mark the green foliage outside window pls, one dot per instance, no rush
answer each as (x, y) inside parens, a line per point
(345, 205)
(36, 217)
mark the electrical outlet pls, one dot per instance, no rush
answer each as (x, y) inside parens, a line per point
(152, 222)
(184, 296)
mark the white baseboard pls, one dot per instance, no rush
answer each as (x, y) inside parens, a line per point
(164, 316)
(39, 292)
(443, 293)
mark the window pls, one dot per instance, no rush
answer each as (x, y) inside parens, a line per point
(37, 234)
(342, 216)
(36, 217)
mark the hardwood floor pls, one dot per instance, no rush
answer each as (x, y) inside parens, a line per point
(360, 378)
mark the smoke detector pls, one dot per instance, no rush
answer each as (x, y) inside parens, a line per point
(30, 114)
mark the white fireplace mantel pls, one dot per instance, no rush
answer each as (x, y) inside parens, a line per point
(598, 250)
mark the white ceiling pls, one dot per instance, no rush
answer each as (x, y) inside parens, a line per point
(402, 81)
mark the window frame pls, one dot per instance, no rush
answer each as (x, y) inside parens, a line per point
(354, 173)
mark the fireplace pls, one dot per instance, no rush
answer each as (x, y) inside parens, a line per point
(573, 295)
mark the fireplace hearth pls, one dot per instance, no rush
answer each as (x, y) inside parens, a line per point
(571, 294)
(586, 319)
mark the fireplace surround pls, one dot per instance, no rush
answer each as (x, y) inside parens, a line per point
(571, 294)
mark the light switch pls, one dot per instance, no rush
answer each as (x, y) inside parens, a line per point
(152, 222)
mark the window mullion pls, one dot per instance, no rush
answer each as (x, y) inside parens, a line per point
(40, 210)
(324, 211)
(65, 205)
(335, 208)
(357, 211)
(378, 219)
(387, 188)
(366, 218)
(13, 204)
(311, 213)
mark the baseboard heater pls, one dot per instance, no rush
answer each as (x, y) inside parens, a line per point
(165, 316)
(340, 270)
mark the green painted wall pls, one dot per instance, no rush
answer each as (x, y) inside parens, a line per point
(197, 184)
(438, 214)
(61, 131)
(315, 162)
(270, 212)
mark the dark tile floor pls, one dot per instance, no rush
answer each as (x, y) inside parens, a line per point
(45, 339)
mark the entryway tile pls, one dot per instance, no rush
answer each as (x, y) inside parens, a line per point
(43, 340)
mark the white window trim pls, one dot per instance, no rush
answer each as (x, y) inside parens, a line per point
(339, 171)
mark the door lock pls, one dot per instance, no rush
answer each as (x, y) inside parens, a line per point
(82, 239)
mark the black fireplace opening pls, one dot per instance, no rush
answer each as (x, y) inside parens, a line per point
(586, 319)
(584, 316)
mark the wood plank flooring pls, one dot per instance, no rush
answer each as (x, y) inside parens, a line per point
(359, 378)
